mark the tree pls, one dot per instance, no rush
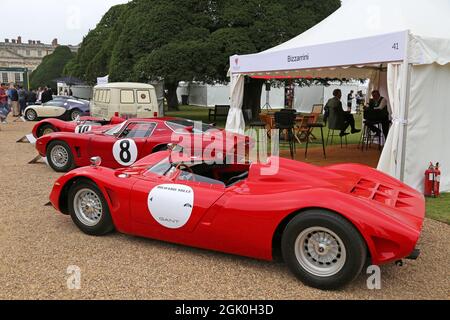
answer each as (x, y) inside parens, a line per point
(175, 40)
(52, 67)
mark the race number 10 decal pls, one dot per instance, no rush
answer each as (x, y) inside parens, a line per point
(125, 152)
(83, 129)
(171, 205)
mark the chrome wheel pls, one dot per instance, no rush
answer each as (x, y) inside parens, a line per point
(75, 115)
(88, 207)
(320, 252)
(31, 115)
(59, 156)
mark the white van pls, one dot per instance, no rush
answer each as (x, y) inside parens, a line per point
(126, 100)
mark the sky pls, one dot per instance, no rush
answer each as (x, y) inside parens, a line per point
(67, 20)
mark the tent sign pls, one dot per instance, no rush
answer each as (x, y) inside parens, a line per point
(378, 49)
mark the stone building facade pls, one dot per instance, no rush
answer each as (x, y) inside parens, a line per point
(16, 54)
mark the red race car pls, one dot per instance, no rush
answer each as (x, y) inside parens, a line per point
(326, 223)
(83, 125)
(125, 143)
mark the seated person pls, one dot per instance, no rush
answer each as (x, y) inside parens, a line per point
(378, 112)
(336, 116)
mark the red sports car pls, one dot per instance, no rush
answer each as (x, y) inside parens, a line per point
(326, 223)
(124, 144)
(83, 125)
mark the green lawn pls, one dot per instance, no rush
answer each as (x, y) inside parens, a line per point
(437, 209)
(201, 114)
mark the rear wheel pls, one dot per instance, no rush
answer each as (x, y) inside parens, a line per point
(60, 157)
(323, 249)
(31, 115)
(45, 129)
(74, 114)
(89, 209)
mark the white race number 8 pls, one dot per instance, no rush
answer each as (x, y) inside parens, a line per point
(125, 152)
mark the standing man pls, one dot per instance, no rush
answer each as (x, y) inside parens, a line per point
(350, 101)
(4, 108)
(22, 99)
(339, 119)
(14, 97)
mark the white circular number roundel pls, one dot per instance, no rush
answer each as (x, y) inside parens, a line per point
(125, 152)
(83, 129)
(171, 205)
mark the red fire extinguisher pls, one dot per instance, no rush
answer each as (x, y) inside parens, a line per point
(432, 181)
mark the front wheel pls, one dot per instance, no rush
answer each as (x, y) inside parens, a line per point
(45, 129)
(89, 209)
(60, 157)
(323, 249)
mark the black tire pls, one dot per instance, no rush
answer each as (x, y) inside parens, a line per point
(353, 243)
(70, 164)
(74, 114)
(31, 115)
(45, 129)
(105, 224)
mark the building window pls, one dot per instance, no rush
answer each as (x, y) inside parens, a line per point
(5, 77)
(28, 52)
(39, 53)
(17, 77)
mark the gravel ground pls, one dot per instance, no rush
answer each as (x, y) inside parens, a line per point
(37, 245)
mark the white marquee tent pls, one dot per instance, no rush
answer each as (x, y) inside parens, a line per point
(406, 42)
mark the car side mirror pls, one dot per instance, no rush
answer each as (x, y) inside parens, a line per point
(96, 162)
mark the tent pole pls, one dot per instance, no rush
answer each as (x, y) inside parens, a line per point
(404, 123)
(404, 112)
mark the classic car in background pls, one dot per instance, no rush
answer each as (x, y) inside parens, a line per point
(65, 108)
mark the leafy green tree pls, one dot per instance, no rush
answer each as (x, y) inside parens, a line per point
(175, 40)
(52, 67)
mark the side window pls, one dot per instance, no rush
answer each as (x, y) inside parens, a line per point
(127, 96)
(138, 130)
(96, 96)
(143, 96)
(101, 96)
(107, 96)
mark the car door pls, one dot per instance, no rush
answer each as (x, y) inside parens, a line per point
(51, 109)
(124, 148)
(170, 209)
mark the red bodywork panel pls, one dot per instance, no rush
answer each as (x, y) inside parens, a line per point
(71, 126)
(243, 219)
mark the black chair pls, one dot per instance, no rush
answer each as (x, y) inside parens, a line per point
(311, 128)
(285, 122)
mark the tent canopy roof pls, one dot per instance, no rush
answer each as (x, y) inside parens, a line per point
(360, 33)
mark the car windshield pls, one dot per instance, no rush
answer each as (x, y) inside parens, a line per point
(115, 130)
(138, 130)
(180, 125)
(200, 172)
